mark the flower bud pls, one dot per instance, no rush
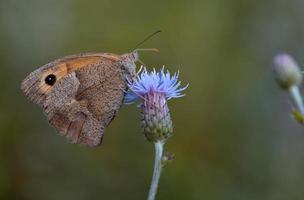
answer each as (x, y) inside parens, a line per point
(286, 71)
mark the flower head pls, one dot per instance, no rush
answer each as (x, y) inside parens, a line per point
(286, 71)
(154, 89)
(160, 82)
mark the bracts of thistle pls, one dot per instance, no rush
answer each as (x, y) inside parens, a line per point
(154, 90)
(289, 77)
(156, 120)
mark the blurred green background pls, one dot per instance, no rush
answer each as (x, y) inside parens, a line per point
(234, 138)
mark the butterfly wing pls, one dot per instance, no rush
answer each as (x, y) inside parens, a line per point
(102, 87)
(86, 96)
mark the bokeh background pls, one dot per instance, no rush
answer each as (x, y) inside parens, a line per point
(234, 138)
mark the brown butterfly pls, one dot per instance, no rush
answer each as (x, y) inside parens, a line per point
(81, 94)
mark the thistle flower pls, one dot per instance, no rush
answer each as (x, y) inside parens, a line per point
(154, 89)
(289, 77)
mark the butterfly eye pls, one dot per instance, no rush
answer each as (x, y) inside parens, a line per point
(50, 79)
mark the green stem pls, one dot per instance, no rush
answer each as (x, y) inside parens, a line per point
(157, 169)
(297, 98)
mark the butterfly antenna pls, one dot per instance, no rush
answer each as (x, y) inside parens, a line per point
(150, 49)
(147, 38)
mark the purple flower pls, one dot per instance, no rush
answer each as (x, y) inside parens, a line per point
(159, 82)
(286, 71)
(154, 89)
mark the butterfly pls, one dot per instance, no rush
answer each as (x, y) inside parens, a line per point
(81, 94)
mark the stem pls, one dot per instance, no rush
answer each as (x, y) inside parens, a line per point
(297, 98)
(157, 169)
